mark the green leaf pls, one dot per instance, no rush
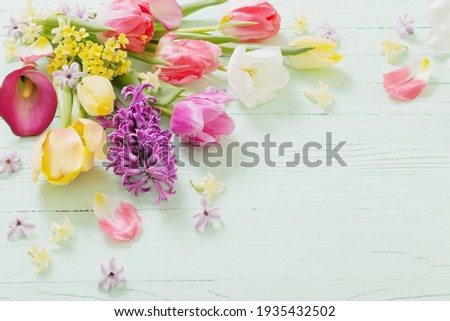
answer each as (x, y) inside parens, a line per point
(52, 22)
(167, 94)
(193, 7)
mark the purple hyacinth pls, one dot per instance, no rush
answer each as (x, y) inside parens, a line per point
(139, 150)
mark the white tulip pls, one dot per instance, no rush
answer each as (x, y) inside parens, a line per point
(255, 75)
(439, 19)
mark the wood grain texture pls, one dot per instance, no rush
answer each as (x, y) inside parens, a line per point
(375, 230)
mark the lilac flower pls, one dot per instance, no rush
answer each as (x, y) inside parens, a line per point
(328, 32)
(63, 9)
(112, 276)
(139, 150)
(9, 162)
(69, 75)
(206, 216)
(80, 12)
(13, 28)
(19, 226)
(405, 28)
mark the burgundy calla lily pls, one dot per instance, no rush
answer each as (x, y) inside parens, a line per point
(27, 101)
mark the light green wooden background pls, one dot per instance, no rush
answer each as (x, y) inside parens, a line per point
(376, 230)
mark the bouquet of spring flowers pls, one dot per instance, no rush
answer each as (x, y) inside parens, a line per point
(112, 75)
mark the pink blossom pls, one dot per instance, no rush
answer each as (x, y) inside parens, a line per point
(267, 18)
(190, 59)
(201, 119)
(9, 162)
(112, 276)
(206, 216)
(405, 26)
(19, 226)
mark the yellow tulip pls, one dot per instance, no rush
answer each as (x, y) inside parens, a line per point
(96, 95)
(323, 55)
(62, 154)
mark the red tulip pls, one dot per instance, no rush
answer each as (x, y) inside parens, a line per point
(27, 101)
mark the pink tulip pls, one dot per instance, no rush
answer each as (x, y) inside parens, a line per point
(135, 19)
(27, 101)
(263, 13)
(201, 119)
(190, 59)
(409, 81)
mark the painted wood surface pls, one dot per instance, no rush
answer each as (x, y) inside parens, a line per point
(375, 230)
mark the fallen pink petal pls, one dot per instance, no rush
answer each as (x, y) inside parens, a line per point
(409, 81)
(119, 220)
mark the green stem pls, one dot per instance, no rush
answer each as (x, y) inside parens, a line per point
(230, 24)
(148, 58)
(286, 51)
(207, 37)
(199, 29)
(166, 111)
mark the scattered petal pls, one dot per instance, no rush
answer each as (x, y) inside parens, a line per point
(41, 257)
(209, 187)
(112, 276)
(206, 216)
(405, 26)
(409, 81)
(321, 98)
(9, 162)
(392, 47)
(20, 226)
(61, 232)
(119, 220)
